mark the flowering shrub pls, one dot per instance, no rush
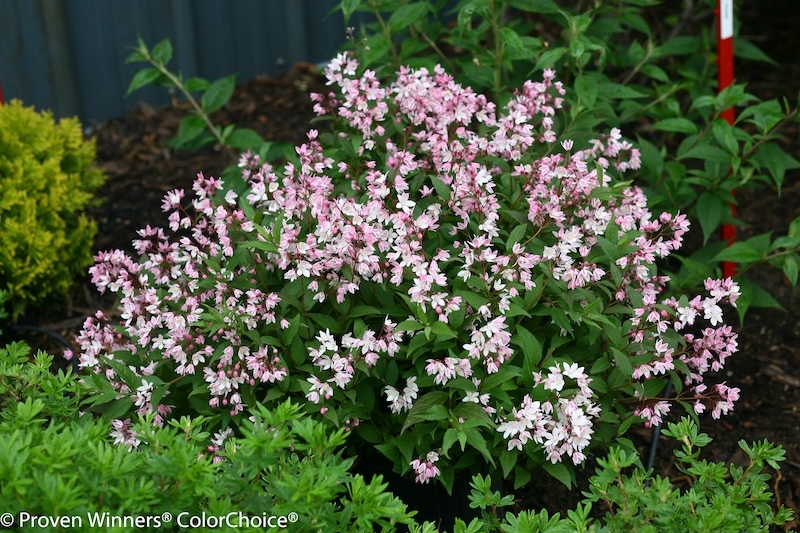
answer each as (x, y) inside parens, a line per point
(632, 70)
(443, 278)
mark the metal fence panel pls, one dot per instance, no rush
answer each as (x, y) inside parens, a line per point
(68, 55)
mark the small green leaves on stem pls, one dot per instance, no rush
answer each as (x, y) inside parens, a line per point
(196, 131)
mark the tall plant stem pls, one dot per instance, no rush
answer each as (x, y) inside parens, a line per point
(177, 82)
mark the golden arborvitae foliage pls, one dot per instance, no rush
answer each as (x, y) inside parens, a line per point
(47, 178)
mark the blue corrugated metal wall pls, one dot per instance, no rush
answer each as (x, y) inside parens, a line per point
(68, 55)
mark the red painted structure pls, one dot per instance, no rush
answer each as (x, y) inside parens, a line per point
(725, 79)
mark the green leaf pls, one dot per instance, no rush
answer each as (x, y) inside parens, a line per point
(443, 331)
(707, 152)
(753, 295)
(366, 310)
(529, 49)
(119, 408)
(406, 15)
(656, 73)
(218, 94)
(765, 115)
(143, 77)
(586, 89)
(747, 50)
(392, 373)
(450, 437)
(196, 84)
(516, 235)
(474, 299)
(740, 252)
(425, 407)
(158, 393)
(777, 161)
(515, 309)
(477, 441)
(137, 57)
(290, 333)
(680, 46)
(470, 9)
(709, 211)
(244, 139)
(442, 189)
(617, 90)
(409, 325)
(508, 460)
(325, 321)
(622, 361)
(723, 133)
(260, 245)
(162, 52)
(561, 472)
(522, 476)
(790, 268)
(530, 345)
(125, 373)
(511, 40)
(535, 6)
(549, 58)
(676, 125)
(189, 129)
(704, 101)
(474, 413)
(348, 7)
(377, 47)
(785, 242)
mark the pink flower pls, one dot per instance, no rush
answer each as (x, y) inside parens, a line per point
(424, 467)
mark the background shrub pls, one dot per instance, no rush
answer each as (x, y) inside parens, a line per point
(46, 181)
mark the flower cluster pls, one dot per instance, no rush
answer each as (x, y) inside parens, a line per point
(563, 427)
(123, 434)
(424, 467)
(450, 256)
(701, 353)
(399, 402)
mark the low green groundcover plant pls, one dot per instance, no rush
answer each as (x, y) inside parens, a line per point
(449, 280)
(47, 179)
(60, 468)
(719, 497)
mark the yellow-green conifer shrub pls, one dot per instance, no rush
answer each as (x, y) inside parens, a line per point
(47, 179)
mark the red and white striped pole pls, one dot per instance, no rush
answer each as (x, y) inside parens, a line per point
(725, 79)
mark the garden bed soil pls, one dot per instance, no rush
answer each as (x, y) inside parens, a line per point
(767, 368)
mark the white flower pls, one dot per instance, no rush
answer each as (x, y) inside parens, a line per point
(713, 312)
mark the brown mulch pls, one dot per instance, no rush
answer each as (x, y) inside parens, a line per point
(141, 169)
